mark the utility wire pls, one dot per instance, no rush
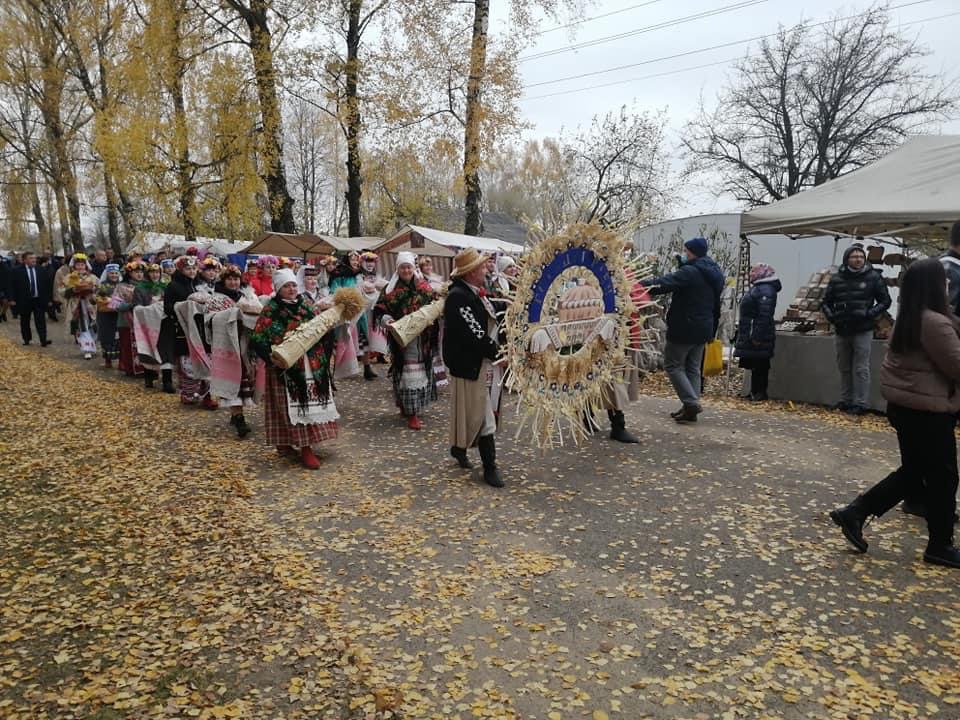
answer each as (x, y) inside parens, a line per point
(597, 17)
(634, 79)
(642, 30)
(697, 67)
(716, 47)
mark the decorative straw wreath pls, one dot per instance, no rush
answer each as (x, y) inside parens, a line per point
(558, 386)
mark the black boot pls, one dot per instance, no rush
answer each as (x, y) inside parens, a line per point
(618, 427)
(149, 378)
(460, 455)
(167, 381)
(851, 519)
(368, 373)
(942, 554)
(688, 414)
(240, 423)
(488, 454)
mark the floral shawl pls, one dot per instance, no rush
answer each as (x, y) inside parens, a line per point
(276, 320)
(407, 297)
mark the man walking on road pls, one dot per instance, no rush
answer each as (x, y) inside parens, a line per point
(855, 298)
(692, 321)
(32, 296)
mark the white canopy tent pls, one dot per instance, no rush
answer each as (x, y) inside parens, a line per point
(152, 242)
(456, 241)
(912, 194)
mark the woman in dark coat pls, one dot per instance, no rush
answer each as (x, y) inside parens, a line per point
(756, 331)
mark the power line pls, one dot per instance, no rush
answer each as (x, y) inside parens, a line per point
(699, 67)
(643, 30)
(634, 79)
(713, 47)
(597, 17)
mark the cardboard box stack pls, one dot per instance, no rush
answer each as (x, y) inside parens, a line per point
(803, 314)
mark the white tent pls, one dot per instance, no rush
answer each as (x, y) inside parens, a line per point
(456, 241)
(151, 242)
(912, 193)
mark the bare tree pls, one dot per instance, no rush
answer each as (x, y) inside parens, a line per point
(619, 168)
(811, 105)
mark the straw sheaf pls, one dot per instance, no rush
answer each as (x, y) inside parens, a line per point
(350, 302)
(556, 390)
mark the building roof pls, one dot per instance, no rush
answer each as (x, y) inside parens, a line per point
(493, 224)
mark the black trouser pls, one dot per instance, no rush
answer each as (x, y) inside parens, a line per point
(928, 470)
(760, 376)
(38, 311)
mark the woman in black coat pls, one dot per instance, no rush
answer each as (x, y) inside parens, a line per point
(756, 331)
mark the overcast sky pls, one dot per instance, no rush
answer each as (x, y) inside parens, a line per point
(700, 72)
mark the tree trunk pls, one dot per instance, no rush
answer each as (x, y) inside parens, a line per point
(471, 134)
(186, 190)
(125, 206)
(274, 175)
(113, 228)
(352, 71)
(62, 216)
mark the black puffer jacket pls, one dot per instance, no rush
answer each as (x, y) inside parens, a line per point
(756, 331)
(855, 298)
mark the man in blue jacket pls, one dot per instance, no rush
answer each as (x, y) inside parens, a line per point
(692, 321)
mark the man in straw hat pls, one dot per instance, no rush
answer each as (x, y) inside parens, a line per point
(469, 350)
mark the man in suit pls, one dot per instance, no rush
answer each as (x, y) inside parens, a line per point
(32, 294)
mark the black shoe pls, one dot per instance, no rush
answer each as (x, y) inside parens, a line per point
(842, 406)
(688, 414)
(618, 428)
(460, 455)
(368, 373)
(26, 342)
(945, 555)
(167, 381)
(856, 410)
(851, 519)
(44, 343)
(677, 413)
(488, 454)
(758, 397)
(240, 423)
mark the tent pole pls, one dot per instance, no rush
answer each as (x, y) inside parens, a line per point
(836, 243)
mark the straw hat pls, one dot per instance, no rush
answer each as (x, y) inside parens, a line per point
(467, 260)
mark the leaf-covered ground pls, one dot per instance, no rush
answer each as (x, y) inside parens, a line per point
(154, 566)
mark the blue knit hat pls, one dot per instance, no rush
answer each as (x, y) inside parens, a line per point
(697, 245)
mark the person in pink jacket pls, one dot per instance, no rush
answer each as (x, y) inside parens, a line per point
(919, 379)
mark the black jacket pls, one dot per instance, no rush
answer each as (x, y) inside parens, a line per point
(694, 314)
(951, 264)
(855, 298)
(756, 331)
(465, 339)
(20, 286)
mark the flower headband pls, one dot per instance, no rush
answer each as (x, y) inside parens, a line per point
(185, 261)
(231, 270)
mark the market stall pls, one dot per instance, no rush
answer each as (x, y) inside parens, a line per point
(905, 202)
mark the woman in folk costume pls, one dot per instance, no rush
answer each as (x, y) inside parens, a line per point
(173, 339)
(371, 285)
(504, 279)
(168, 267)
(149, 291)
(425, 265)
(352, 336)
(411, 368)
(299, 409)
(79, 287)
(233, 371)
(315, 295)
(107, 313)
(133, 274)
(262, 281)
(208, 274)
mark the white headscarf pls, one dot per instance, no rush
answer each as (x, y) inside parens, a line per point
(403, 258)
(281, 277)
